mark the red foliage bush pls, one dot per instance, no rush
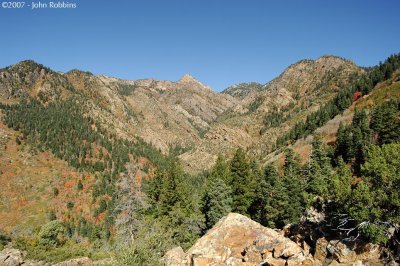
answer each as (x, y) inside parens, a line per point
(357, 95)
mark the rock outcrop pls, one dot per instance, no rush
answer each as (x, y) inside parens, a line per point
(11, 257)
(338, 253)
(237, 240)
(15, 257)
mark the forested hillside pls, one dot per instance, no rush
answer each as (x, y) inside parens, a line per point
(140, 201)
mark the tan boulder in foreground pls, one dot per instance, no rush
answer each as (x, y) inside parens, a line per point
(238, 240)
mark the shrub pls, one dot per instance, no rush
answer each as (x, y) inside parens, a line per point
(70, 205)
(4, 239)
(149, 246)
(55, 192)
(52, 234)
(80, 185)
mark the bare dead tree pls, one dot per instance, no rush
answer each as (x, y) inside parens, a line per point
(131, 202)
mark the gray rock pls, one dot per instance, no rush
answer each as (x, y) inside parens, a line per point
(11, 257)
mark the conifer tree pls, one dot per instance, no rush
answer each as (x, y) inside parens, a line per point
(172, 189)
(277, 197)
(319, 170)
(340, 192)
(344, 143)
(353, 140)
(241, 182)
(80, 185)
(361, 137)
(270, 198)
(340, 184)
(294, 186)
(217, 201)
(221, 170)
(385, 122)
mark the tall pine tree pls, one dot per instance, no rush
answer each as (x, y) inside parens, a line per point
(318, 170)
(294, 186)
(242, 182)
(217, 201)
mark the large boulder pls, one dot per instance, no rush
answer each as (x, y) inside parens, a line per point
(237, 240)
(174, 256)
(351, 254)
(15, 257)
(11, 257)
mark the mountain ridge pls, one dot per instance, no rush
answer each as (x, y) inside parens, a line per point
(185, 77)
(184, 113)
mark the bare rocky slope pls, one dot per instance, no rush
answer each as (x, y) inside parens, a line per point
(186, 113)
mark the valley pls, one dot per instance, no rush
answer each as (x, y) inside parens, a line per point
(106, 167)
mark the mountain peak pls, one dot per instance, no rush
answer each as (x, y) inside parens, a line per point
(29, 63)
(188, 78)
(27, 66)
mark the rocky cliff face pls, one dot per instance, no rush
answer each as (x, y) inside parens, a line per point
(237, 240)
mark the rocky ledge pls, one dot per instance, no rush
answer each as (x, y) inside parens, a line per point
(15, 257)
(237, 240)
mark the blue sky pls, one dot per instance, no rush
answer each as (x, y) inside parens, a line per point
(220, 42)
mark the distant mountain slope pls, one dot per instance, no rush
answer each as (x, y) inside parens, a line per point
(306, 77)
(164, 113)
(382, 92)
(299, 90)
(186, 113)
(241, 90)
